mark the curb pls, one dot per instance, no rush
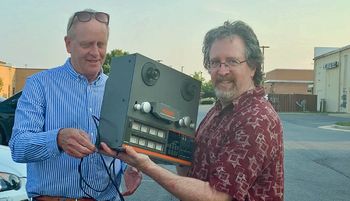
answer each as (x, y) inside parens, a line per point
(341, 127)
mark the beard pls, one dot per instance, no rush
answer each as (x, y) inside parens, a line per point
(225, 95)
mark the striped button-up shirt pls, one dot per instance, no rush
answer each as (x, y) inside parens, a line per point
(51, 100)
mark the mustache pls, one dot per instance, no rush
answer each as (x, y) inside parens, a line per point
(222, 79)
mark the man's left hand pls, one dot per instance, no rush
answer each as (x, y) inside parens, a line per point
(132, 178)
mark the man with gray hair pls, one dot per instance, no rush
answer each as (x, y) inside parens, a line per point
(55, 123)
(239, 148)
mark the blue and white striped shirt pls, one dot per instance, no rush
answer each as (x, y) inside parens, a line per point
(54, 99)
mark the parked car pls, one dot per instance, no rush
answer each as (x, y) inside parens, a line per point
(207, 101)
(2, 99)
(7, 115)
(13, 177)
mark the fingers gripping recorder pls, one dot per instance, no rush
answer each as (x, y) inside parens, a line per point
(150, 107)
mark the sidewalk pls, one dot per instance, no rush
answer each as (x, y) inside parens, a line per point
(336, 127)
(345, 115)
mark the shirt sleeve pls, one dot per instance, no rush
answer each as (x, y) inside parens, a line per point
(242, 158)
(29, 142)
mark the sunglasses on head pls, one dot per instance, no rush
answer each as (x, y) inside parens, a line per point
(85, 16)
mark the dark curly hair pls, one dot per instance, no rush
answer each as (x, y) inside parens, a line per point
(253, 52)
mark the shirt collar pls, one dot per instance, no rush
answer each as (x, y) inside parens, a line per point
(70, 69)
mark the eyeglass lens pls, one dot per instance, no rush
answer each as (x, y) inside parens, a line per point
(86, 16)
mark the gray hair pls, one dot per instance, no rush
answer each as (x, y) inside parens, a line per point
(72, 24)
(253, 52)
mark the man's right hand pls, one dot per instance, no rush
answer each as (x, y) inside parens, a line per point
(130, 156)
(75, 142)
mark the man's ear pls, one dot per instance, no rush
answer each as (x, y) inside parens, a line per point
(68, 41)
(253, 73)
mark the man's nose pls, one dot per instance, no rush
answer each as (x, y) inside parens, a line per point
(223, 68)
(94, 50)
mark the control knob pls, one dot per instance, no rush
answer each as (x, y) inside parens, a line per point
(185, 121)
(144, 107)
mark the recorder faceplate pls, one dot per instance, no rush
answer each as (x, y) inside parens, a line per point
(151, 107)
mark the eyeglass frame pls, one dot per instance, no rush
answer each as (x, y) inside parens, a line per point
(90, 17)
(234, 63)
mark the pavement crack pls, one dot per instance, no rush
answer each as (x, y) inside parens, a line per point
(322, 163)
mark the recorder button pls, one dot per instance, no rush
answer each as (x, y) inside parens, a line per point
(146, 107)
(187, 121)
(137, 106)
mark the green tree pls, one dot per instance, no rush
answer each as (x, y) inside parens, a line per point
(114, 53)
(198, 76)
(207, 89)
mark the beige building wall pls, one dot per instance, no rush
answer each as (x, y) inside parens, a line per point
(6, 75)
(13, 78)
(289, 81)
(287, 88)
(332, 84)
(21, 76)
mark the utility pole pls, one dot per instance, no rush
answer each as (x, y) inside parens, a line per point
(263, 47)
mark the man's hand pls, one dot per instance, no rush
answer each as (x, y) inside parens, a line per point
(130, 156)
(75, 142)
(132, 178)
(132, 175)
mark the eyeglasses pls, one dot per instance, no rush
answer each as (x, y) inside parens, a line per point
(85, 16)
(230, 62)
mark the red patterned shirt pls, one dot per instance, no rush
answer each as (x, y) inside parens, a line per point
(239, 149)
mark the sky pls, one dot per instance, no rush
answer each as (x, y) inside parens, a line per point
(32, 31)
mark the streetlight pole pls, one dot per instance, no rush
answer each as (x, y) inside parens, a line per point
(263, 47)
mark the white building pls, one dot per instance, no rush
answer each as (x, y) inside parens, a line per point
(332, 79)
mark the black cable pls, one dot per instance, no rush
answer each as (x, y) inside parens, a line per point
(110, 177)
(111, 165)
(104, 163)
(98, 137)
(83, 181)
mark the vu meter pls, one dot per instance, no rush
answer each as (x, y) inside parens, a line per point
(151, 107)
